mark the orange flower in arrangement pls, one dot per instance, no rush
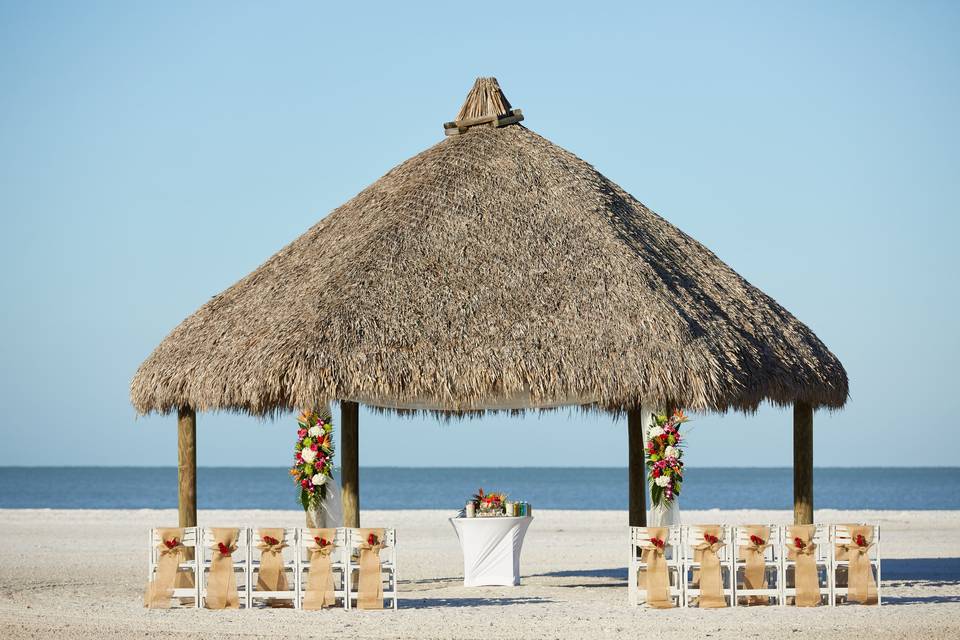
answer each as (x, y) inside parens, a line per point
(757, 540)
(224, 549)
(171, 543)
(710, 538)
(270, 540)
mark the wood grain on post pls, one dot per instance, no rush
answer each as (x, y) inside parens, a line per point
(350, 462)
(637, 469)
(802, 463)
(187, 466)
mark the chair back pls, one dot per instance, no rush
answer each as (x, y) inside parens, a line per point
(305, 542)
(243, 543)
(693, 536)
(771, 536)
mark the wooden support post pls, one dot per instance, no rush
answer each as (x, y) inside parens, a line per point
(802, 463)
(187, 466)
(669, 407)
(637, 469)
(350, 462)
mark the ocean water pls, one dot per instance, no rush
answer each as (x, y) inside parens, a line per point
(448, 488)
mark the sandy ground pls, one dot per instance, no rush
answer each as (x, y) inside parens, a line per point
(81, 574)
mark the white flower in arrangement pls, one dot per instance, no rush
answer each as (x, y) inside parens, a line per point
(671, 452)
(318, 479)
(308, 455)
(655, 431)
(315, 431)
(662, 481)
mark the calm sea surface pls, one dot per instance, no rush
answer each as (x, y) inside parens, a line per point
(441, 488)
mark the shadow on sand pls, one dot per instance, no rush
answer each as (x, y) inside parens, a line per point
(456, 603)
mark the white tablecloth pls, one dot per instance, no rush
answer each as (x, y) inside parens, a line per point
(491, 549)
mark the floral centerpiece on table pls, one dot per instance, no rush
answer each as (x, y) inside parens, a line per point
(489, 504)
(664, 453)
(312, 458)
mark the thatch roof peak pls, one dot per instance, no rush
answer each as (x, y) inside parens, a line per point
(484, 106)
(493, 270)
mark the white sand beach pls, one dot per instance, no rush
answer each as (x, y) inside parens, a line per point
(80, 574)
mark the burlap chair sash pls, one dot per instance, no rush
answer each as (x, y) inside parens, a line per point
(320, 589)
(222, 583)
(170, 553)
(370, 584)
(272, 576)
(861, 583)
(657, 575)
(711, 577)
(755, 563)
(802, 550)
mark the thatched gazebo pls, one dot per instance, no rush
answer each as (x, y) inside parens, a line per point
(493, 271)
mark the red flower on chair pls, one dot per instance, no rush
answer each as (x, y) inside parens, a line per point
(710, 538)
(799, 543)
(757, 540)
(270, 540)
(657, 542)
(224, 549)
(171, 543)
(861, 540)
(372, 539)
(321, 542)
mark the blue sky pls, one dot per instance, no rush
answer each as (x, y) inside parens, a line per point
(151, 154)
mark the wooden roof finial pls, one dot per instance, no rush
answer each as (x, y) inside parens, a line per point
(485, 106)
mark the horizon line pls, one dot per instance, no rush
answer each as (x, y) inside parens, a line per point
(173, 466)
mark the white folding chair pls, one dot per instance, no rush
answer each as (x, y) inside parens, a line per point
(691, 536)
(289, 566)
(241, 564)
(823, 554)
(388, 565)
(187, 565)
(772, 565)
(840, 535)
(337, 565)
(640, 540)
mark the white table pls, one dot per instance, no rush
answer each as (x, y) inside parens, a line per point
(491, 549)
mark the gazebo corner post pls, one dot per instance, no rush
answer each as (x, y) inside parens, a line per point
(802, 463)
(637, 469)
(350, 462)
(187, 466)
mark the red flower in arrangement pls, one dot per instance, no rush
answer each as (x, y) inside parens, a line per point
(171, 543)
(270, 540)
(757, 540)
(657, 542)
(372, 539)
(655, 473)
(321, 542)
(224, 549)
(861, 541)
(799, 543)
(710, 538)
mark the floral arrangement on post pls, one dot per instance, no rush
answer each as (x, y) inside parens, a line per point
(664, 453)
(312, 458)
(489, 504)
